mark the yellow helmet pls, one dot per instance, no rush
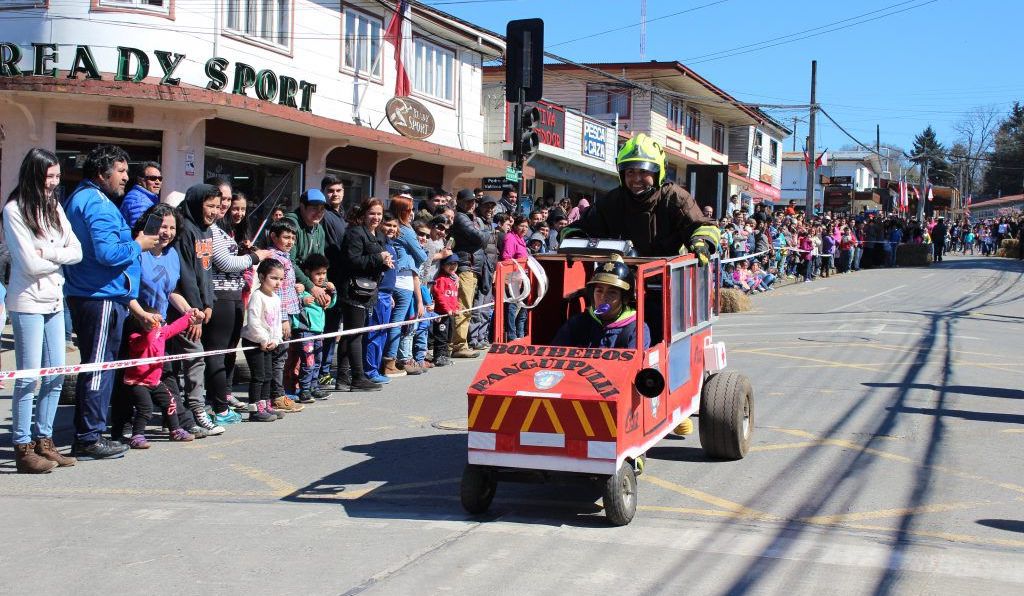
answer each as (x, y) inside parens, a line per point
(644, 153)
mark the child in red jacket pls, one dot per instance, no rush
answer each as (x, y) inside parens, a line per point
(142, 383)
(446, 302)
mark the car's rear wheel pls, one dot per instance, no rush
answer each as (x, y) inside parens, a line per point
(726, 415)
(620, 496)
(477, 489)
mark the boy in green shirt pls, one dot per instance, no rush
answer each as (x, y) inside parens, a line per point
(309, 323)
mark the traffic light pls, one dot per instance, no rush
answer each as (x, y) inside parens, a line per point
(525, 139)
(524, 60)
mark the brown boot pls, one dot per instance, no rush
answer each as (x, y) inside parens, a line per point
(46, 448)
(411, 368)
(390, 370)
(27, 462)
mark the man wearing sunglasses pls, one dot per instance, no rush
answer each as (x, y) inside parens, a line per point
(144, 194)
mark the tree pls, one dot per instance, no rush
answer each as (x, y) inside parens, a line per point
(928, 149)
(977, 131)
(1004, 175)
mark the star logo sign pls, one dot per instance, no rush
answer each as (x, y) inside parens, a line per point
(546, 379)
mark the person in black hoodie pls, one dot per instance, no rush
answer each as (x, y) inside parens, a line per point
(199, 210)
(334, 230)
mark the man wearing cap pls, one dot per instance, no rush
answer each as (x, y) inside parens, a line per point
(470, 238)
(310, 239)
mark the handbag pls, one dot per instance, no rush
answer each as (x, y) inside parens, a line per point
(361, 288)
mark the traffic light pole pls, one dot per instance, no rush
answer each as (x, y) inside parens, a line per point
(518, 132)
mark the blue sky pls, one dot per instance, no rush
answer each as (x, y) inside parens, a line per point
(904, 70)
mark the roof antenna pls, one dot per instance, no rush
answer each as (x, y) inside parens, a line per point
(643, 29)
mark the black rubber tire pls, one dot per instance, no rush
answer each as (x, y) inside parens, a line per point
(726, 415)
(620, 496)
(477, 489)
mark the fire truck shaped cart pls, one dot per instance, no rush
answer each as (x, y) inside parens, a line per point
(538, 412)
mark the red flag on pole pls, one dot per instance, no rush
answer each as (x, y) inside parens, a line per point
(822, 159)
(399, 34)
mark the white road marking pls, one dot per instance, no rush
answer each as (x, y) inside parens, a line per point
(882, 293)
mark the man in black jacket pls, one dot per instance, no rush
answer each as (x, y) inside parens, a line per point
(470, 238)
(334, 225)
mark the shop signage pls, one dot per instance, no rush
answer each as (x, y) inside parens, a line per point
(134, 65)
(551, 127)
(409, 117)
(512, 174)
(495, 183)
(595, 139)
(767, 190)
(837, 180)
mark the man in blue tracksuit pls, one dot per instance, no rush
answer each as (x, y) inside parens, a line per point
(99, 289)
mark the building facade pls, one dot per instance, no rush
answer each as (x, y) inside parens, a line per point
(273, 94)
(576, 156)
(696, 122)
(850, 180)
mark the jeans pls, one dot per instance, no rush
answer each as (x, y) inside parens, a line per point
(350, 348)
(261, 371)
(373, 342)
(404, 306)
(98, 323)
(420, 335)
(515, 322)
(857, 254)
(38, 342)
(309, 361)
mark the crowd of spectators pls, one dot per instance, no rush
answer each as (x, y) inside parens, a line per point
(138, 272)
(760, 245)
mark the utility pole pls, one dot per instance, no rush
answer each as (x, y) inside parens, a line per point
(795, 120)
(878, 139)
(812, 167)
(924, 189)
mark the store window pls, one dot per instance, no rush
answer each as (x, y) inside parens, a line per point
(264, 21)
(773, 152)
(264, 180)
(418, 191)
(362, 42)
(433, 70)
(604, 101)
(357, 187)
(74, 141)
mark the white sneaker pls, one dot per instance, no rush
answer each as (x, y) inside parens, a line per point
(203, 420)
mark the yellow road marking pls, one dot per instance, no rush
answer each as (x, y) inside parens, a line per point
(583, 418)
(779, 446)
(280, 488)
(736, 509)
(884, 513)
(530, 415)
(208, 444)
(943, 535)
(608, 420)
(1013, 430)
(501, 413)
(478, 403)
(137, 492)
(689, 510)
(833, 363)
(895, 457)
(551, 415)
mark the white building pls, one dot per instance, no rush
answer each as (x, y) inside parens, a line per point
(863, 169)
(274, 93)
(710, 128)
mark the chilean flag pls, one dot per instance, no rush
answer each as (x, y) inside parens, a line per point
(399, 34)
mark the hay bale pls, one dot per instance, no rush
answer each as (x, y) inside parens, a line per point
(914, 255)
(1010, 247)
(733, 300)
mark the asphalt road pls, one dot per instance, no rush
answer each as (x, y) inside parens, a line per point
(887, 459)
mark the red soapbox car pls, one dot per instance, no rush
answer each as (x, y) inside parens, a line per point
(539, 412)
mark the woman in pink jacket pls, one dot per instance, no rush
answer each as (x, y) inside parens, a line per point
(515, 248)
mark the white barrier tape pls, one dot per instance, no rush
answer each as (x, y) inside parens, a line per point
(745, 257)
(71, 369)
